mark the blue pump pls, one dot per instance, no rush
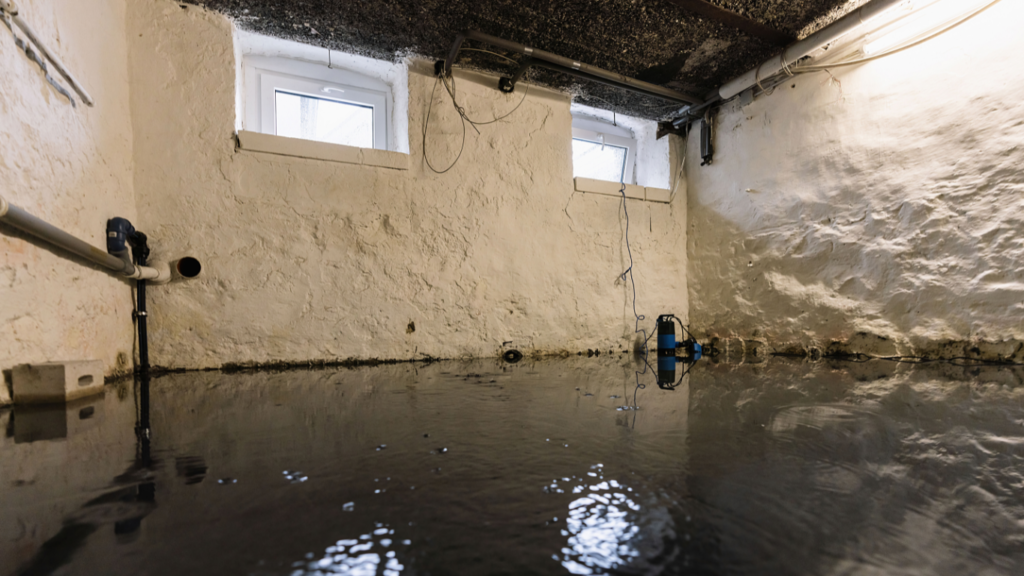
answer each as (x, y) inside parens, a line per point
(668, 347)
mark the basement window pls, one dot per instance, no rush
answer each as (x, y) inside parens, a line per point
(310, 101)
(602, 150)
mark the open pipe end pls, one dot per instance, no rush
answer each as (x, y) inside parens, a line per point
(188, 267)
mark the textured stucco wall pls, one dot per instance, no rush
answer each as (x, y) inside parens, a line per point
(73, 168)
(886, 214)
(308, 260)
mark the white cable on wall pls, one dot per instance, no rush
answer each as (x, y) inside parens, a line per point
(11, 11)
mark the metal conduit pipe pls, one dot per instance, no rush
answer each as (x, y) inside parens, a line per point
(508, 84)
(8, 7)
(798, 50)
(569, 66)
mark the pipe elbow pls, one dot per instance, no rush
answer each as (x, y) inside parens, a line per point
(181, 269)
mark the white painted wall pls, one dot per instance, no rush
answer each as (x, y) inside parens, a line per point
(893, 206)
(73, 168)
(309, 260)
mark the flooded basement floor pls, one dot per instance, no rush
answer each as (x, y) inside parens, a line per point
(533, 468)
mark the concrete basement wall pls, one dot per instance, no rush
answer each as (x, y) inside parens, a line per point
(885, 215)
(308, 260)
(72, 167)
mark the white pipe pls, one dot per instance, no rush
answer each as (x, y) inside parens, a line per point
(8, 7)
(816, 41)
(160, 273)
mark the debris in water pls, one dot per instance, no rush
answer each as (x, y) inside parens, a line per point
(381, 447)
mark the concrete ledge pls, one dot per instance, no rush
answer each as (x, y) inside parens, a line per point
(57, 381)
(299, 148)
(608, 188)
(658, 195)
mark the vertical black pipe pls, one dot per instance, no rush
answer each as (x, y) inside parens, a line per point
(140, 311)
(141, 252)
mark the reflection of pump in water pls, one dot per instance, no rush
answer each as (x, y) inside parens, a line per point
(667, 369)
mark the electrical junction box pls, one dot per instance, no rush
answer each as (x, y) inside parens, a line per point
(56, 381)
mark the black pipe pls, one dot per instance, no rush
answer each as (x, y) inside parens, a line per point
(569, 66)
(508, 84)
(140, 249)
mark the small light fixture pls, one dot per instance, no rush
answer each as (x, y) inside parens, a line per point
(925, 16)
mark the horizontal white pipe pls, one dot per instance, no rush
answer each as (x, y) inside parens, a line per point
(159, 273)
(12, 215)
(22, 220)
(12, 11)
(816, 41)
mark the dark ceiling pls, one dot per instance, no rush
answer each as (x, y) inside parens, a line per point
(666, 42)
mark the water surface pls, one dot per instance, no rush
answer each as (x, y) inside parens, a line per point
(529, 468)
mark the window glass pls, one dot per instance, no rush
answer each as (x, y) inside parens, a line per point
(323, 119)
(598, 161)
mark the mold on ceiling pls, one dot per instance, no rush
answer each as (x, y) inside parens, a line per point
(665, 42)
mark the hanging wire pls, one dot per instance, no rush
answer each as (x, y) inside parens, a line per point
(449, 85)
(639, 317)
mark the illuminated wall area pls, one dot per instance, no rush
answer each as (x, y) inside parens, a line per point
(876, 208)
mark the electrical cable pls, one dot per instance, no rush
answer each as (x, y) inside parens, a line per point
(679, 173)
(807, 69)
(639, 317)
(462, 115)
(426, 122)
(793, 70)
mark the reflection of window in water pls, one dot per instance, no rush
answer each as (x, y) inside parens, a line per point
(599, 529)
(361, 556)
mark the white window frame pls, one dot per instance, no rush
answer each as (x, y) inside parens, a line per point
(602, 132)
(264, 76)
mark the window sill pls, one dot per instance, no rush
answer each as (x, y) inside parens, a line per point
(608, 188)
(298, 148)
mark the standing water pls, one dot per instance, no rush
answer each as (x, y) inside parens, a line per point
(530, 468)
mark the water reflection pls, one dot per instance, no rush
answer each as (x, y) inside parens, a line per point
(367, 555)
(599, 526)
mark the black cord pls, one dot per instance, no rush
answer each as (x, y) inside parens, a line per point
(639, 317)
(426, 122)
(462, 115)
